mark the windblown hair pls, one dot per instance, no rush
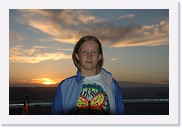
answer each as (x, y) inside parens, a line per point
(76, 49)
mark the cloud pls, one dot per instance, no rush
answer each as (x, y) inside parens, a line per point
(47, 27)
(32, 12)
(56, 32)
(61, 25)
(15, 36)
(34, 30)
(128, 16)
(75, 17)
(67, 26)
(146, 35)
(65, 40)
(68, 49)
(114, 59)
(89, 19)
(32, 55)
(39, 47)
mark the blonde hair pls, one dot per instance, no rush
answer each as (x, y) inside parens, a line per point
(76, 49)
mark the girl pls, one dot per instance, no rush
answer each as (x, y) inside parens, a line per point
(92, 90)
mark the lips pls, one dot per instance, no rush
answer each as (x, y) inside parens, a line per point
(89, 62)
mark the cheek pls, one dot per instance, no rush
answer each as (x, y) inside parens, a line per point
(97, 57)
(81, 57)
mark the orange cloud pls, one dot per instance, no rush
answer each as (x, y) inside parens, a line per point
(47, 27)
(14, 36)
(68, 40)
(67, 16)
(148, 35)
(90, 19)
(58, 24)
(20, 55)
(140, 42)
(55, 30)
(39, 47)
(63, 25)
(32, 12)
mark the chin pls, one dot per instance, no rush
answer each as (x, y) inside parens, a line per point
(89, 67)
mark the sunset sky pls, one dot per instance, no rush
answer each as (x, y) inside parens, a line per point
(135, 44)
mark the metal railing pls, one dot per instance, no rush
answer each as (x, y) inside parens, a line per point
(48, 102)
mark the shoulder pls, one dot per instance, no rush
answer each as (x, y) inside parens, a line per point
(67, 81)
(115, 82)
(106, 75)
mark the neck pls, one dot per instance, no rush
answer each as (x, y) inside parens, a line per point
(89, 72)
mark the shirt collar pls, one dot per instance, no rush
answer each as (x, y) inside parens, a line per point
(79, 77)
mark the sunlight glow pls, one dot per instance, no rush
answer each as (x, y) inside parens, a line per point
(48, 81)
(45, 81)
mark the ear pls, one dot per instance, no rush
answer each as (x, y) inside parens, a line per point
(77, 56)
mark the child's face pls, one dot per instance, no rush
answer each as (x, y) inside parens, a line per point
(88, 55)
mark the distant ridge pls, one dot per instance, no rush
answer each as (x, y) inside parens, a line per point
(125, 84)
(121, 83)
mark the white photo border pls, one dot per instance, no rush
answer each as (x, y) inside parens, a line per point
(171, 119)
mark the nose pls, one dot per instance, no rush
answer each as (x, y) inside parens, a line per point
(89, 55)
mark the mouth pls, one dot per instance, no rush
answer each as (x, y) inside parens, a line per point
(89, 62)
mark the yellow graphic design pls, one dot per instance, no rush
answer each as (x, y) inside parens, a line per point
(94, 106)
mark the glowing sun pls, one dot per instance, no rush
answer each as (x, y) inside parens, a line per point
(48, 81)
(44, 81)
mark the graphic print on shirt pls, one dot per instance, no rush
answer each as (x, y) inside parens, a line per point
(93, 100)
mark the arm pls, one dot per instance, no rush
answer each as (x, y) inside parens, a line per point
(118, 99)
(57, 107)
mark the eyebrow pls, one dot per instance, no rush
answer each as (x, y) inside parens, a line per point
(91, 50)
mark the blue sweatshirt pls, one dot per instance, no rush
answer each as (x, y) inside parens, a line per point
(68, 92)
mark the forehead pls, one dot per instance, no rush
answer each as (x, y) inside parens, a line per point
(89, 44)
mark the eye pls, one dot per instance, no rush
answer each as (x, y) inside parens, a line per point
(83, 51)
(94, 52)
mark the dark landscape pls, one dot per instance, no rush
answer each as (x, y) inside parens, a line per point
(138, 100)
